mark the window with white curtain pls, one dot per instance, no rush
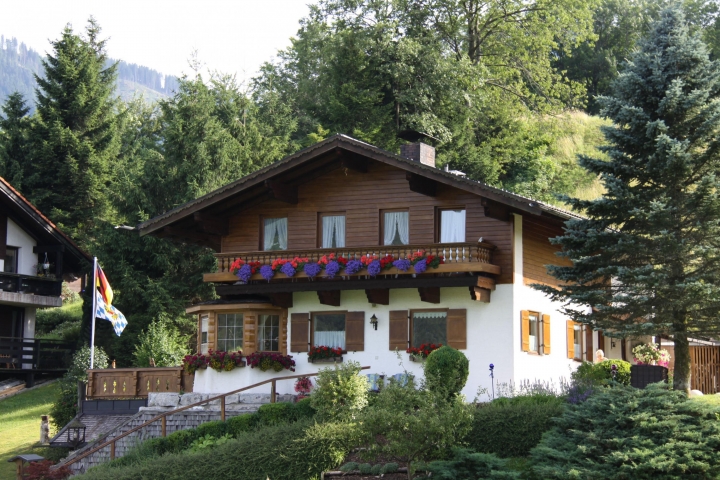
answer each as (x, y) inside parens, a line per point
(429, 327)
(452, 225)
(275, 234)
(329, 330)
(204, 327)
(268, 333)
(333, 231)
(397, 228)
(230, 332)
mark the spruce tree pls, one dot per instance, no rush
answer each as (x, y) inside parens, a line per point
(75, 140)
(646, 257)
(14, 136)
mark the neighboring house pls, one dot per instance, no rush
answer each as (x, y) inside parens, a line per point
(34, 258)
(351, 198)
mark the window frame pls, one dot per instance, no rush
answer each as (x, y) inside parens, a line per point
(17, 259)
(331, 312)
(381, 236)
(261, 240)
(411, 317)
(217, 331)
(205, 333)
(257, 332)
(319, 230)
(438, 221)
(538, 323)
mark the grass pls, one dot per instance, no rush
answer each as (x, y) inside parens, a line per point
(20, 424)
(710, 399)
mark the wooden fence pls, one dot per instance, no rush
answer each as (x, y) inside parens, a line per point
(137, 382)
(705, 369)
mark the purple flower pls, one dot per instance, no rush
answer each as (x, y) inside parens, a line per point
(421, 266)
(288, 269)
(267, 272)
(312, 269)
(244, 273)
(374, 268)
(332, 268)
(403, 264)
(353, 267)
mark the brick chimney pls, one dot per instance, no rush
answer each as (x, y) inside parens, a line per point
(419, 152)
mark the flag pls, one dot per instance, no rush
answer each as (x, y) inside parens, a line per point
(103, 303)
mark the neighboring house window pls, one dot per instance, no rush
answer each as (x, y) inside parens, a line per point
(275, 234)
(535, 332)
(332, 230)
(579, 341)
(269, 333)
(204, 327)
(452, 225)
(396, 228)
(230, 331)
(11, 259)
(428, 327)
(329, 330)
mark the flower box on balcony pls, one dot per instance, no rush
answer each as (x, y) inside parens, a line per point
(327, 360)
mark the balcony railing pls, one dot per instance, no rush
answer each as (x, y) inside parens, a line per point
(137, 382)
(15, 283)
(458, 257)
(36, 354)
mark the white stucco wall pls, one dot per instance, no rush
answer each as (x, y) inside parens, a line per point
(17, 237)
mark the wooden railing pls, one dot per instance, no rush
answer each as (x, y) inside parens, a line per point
(137, 382)
(163, 416)
(705, 369)
(452, 253)
(39, 354)
(16, 283)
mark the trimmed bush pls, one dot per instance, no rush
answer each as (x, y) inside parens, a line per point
(340, 392)
(623, 370)
(275, 413)
(242, 423)
(511, 427)
(446, 370)
(215, 429)
(629, 433)
(303, 409)
(365, 468)
(470, 465)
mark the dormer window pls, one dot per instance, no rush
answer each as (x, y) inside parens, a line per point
(396, 228)
(332, 230)
(275, 236)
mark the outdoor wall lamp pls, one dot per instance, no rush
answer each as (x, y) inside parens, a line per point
(374, 321)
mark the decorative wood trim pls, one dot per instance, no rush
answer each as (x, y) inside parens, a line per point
(379, 296)
(329, 297)
(282, 299)
(231, 307)
(480, 294)
(429, 294)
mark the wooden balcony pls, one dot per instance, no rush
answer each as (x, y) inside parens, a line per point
(458, 257)
(111, 383)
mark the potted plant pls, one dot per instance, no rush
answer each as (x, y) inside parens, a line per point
(303, 385)
(652, 362)
(419, 354)
(325, 354)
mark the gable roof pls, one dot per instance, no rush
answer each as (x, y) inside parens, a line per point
(343, 143)
(28, 217)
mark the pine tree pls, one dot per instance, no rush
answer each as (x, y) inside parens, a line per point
(14, 135)
(76, 141)
(646, 258)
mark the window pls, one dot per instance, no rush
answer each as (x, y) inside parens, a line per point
(275, 234)
(580, 341)
(332, 233)
(577, 342)
(535, 331)
(11, 260)
(230, 331)
(396, 230)
(452, 225)
(204, 327)
(429, 327)
(534, 336)
(329, 330)
(269, 333)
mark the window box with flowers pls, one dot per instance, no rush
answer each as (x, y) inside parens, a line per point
(270, 361)
(324, 354)
(419, 354)
(218, 360)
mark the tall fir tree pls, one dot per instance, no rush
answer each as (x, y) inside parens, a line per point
(14, 136)
(646, 258)
(75, 139)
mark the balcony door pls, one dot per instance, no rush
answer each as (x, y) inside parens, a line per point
(11, 321)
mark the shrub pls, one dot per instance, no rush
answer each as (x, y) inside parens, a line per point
(303, 409)
(163, 343)
(177, 441)
(209, 441)
(349, 467)
(81, 363)
(629, 433)
(623, 370)
(43, 471)
(49, 319)
(275, 413)
(511, 427)
(215, 429)
(365, 468)
(446, 369)
(242, 423)
(340, 392)
(601, 373)
(376, 469)
(468, 464)
(391, 467)
(64, 408)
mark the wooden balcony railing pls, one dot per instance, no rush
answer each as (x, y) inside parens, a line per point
(458, 257)
(15, 283)
(136, 382)
(35, 354)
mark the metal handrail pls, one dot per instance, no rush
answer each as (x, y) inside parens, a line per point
(163, 416)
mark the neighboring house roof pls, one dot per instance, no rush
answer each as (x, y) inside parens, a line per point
(357, 147)
(27, 216)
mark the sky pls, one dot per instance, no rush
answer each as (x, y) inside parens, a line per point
(230, 36)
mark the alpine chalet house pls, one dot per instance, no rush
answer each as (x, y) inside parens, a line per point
(35, 256)
(470, 251)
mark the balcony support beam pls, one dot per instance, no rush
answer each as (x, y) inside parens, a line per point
(379, 296)
(281, 299)
(480, 294)
(329, 297)
(429, 294)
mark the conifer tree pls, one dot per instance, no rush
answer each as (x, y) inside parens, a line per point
(75, 140)
(14, 136)
(647, 257)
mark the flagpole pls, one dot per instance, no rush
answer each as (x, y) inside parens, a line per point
(93, 291)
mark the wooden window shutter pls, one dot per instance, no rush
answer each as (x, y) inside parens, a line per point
(457, 328)
(588, 343)
(546, 334)
(355, 331)
(299, 332)
(399, 338)
(525, 330)
(570, 339)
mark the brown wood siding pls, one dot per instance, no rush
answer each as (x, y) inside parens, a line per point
(3, 234)
(249, 333)
(362, 196)
(538, 251)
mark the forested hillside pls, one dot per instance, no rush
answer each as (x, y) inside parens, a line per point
(19, 64)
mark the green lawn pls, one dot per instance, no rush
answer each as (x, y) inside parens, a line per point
(20, 424)
(710, 399)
